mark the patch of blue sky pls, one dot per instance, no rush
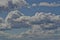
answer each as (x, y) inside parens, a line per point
(33, 10)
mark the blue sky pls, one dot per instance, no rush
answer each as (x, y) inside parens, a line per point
(30, 19)
(33, 10)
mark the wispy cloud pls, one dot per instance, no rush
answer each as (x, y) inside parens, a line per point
(54, 4)
(49, 4)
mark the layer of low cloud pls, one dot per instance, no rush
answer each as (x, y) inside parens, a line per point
(43, 25)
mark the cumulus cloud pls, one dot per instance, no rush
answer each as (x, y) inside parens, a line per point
(34, 4)
(43, 25)
(13, 15)
(51, 21)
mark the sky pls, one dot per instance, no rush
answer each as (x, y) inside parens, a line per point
(29, 19)
(33, 9)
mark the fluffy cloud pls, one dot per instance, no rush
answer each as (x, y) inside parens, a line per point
(51, 21)
(43, 20)
(43, 25)
(12, 16)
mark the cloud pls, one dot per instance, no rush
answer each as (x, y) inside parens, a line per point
(3, 25)
(4, 3)
(13, 15)
(8, 4)
(7, 35)
(45, 21)
(43, 25)
(15, 18)
(49, 4)
(19, 2)
(34, 4)
(54, 4)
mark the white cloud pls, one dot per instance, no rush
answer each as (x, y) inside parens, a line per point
(13, 15)
(43, 25)
(12, 3)
(15, 18)
(49, 4)
(19, 2)
(54, 4)
(4, 3)
(34, 4)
